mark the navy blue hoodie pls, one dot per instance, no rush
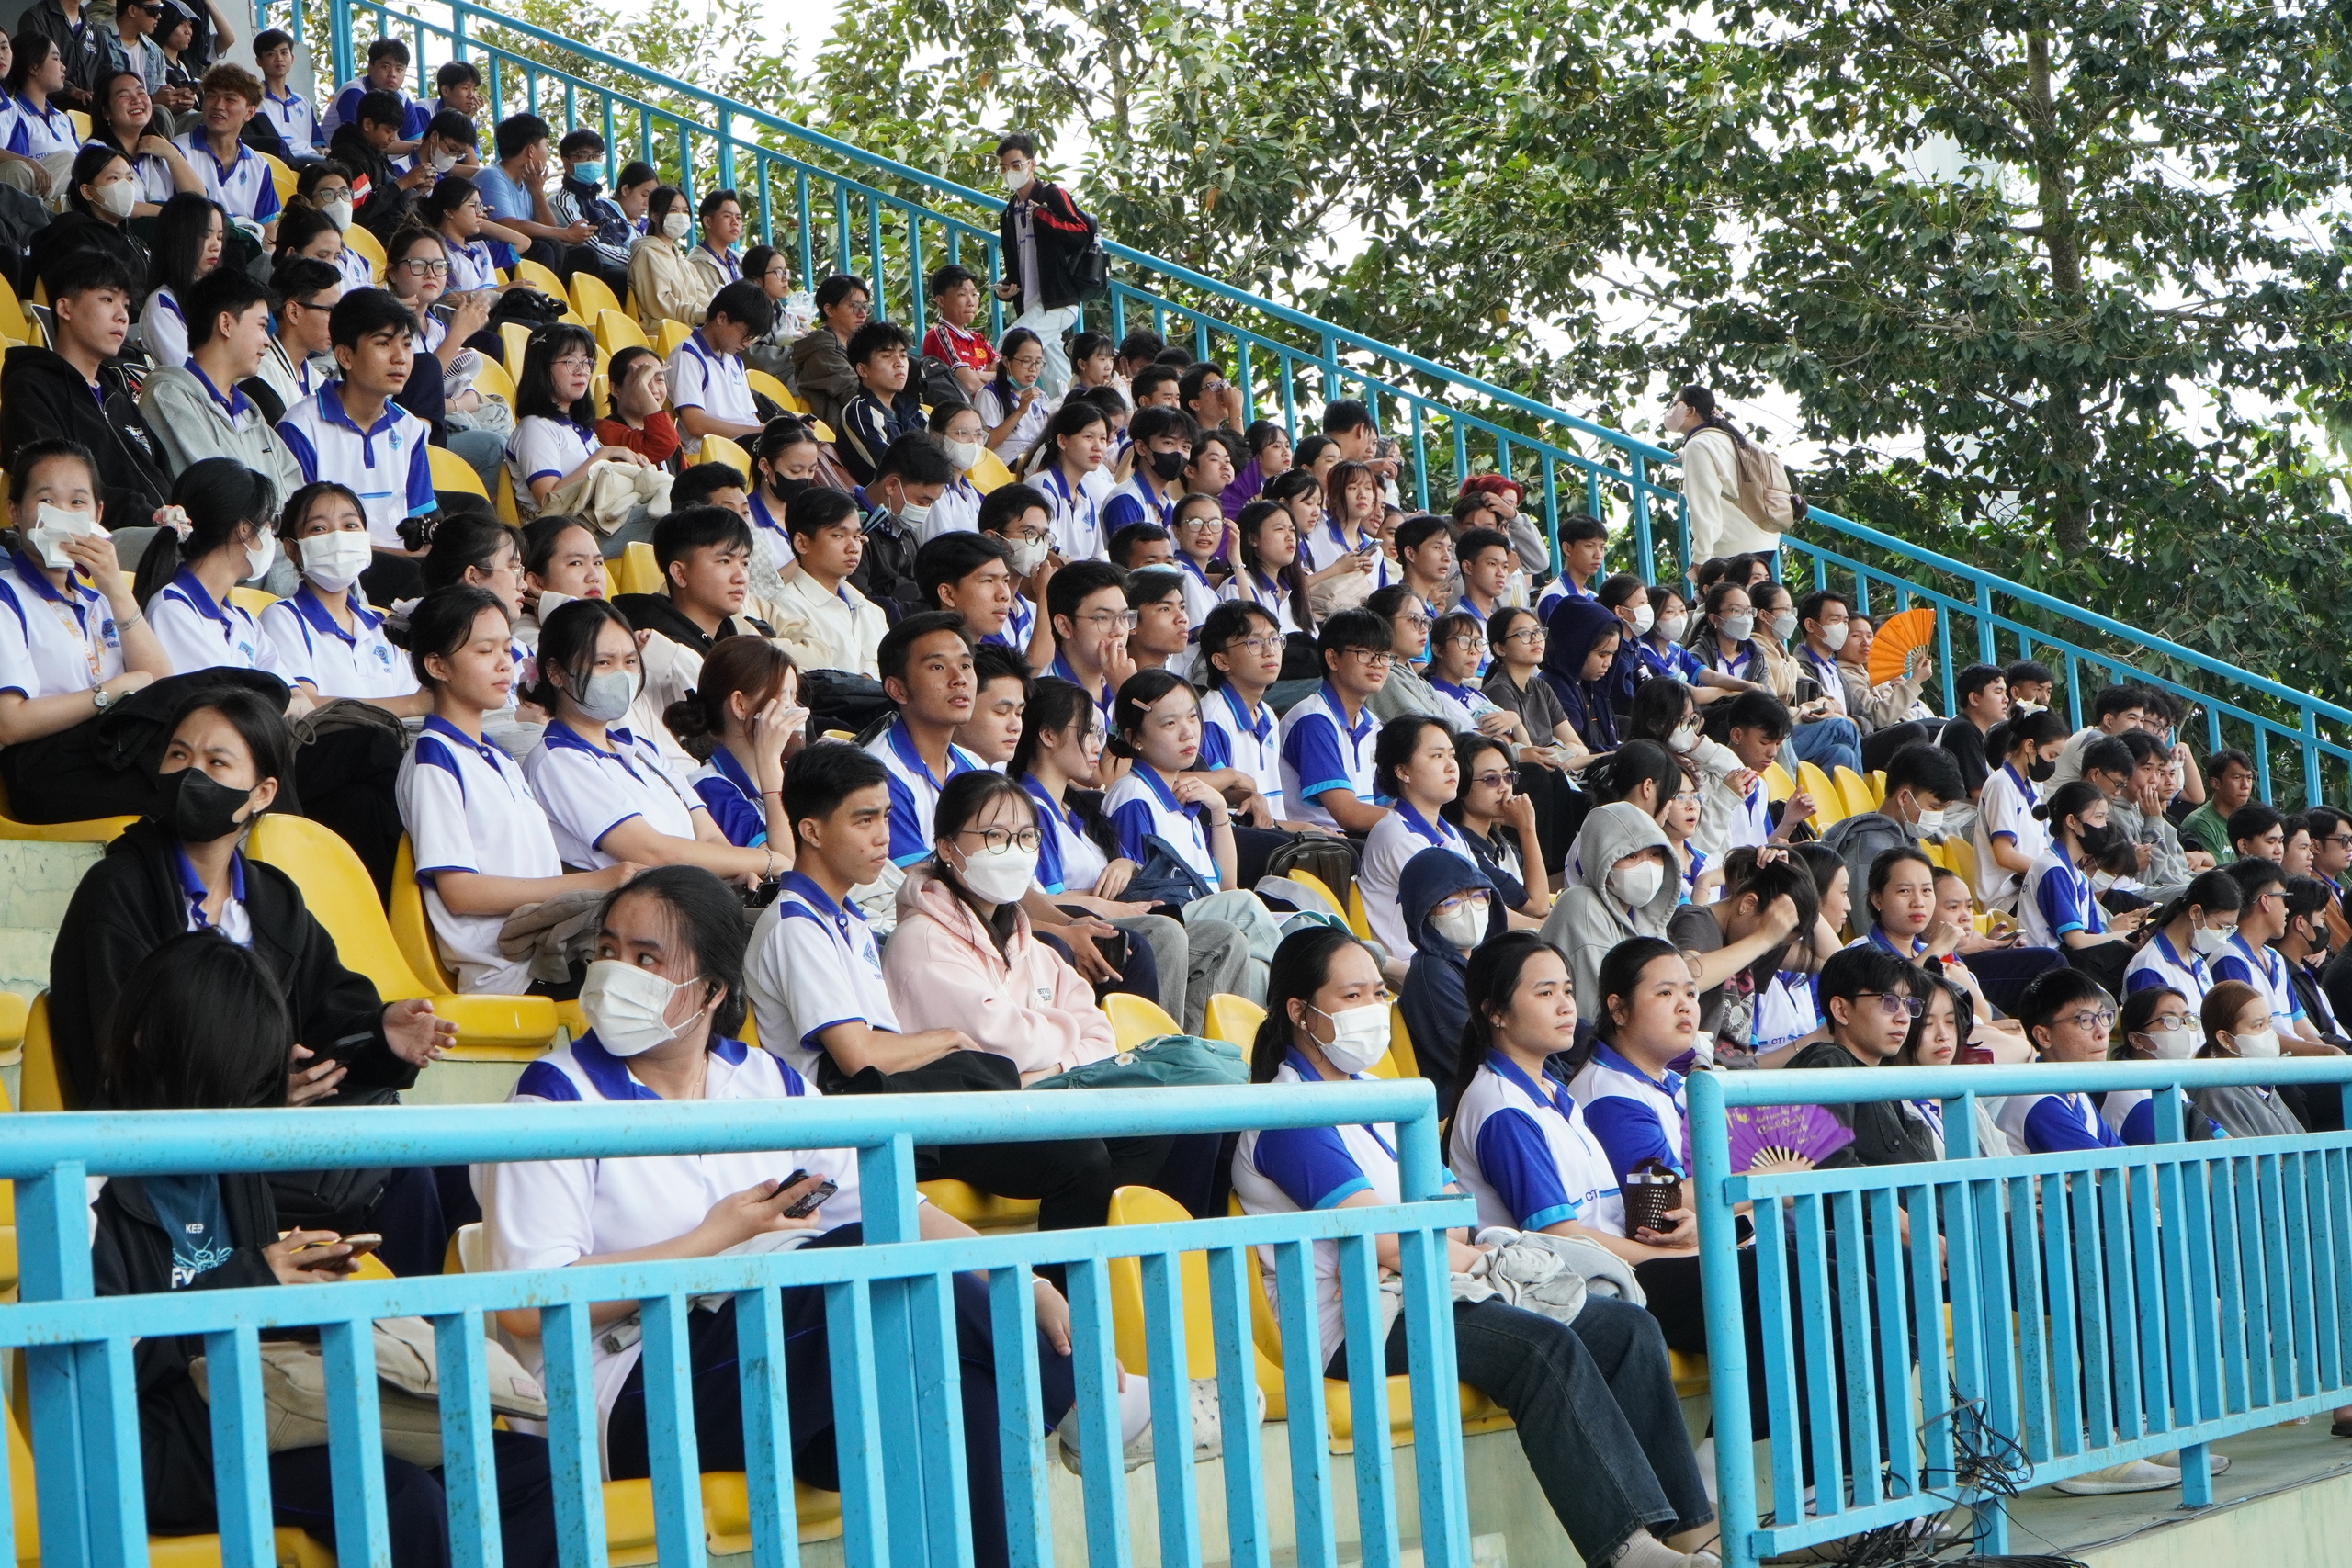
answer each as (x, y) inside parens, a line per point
(1435, 1000)
(1576, 625)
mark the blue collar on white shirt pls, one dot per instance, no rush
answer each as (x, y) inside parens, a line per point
(192, 885)
(199, 596)
(316, 616)
(435, 725)
(1438, 833)
(611, 1074)
(1551, 1092)
(904, 745)
(1260, 724)
(798, 885)
(36, 578)
(1363, 726)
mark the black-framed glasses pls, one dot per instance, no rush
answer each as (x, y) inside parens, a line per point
(1003, 841)
(1900, 1007)
(423, 268)
(2101, 1020)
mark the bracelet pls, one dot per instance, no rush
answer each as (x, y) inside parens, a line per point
(137, 616)
(767, 872)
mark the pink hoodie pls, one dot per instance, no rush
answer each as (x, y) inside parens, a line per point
(1028, 1004)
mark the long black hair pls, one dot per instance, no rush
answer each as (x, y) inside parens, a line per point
(200, 1025)
(1492, 981)
(1056, 705)
(535, 392)
(442, 622)
(178, 248)
(706, 919)
(1072, 417)
(568, 642)
(222, 498)
(459, 541)
(1621, 971)
(1300, 966)
(1293, 577)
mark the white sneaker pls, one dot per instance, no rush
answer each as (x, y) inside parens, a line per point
(2132, 1475)
(1208, 1431)
(2215, 1464)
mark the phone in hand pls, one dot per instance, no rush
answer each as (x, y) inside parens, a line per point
(816, 1197)
(1975, 1055)
(361, 1243)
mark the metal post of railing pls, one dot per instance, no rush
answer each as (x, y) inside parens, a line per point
(1985, 648)
(1719, 1289)
(874, 255)
(2312, 796)
(1639, 498)
(339, 40)
(800, 207)
(726, 150)
(918, 290)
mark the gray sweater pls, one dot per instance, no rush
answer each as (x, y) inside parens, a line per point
(190, 424)
(1589, 920)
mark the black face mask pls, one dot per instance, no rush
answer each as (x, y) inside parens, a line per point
(785, 490)
(2098, 842)
(2040, 772)
(197, 807)
(1168, 467)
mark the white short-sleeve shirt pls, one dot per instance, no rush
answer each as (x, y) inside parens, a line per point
(40, 135)
(1394, 839)
(385, 465)
(702, 377)
(1236, 737)
(812, 964)
(470, 267)
(1078, 516)
(1273, 597)
(914, 792)
(544, 448)
(162, 329)
(244, 187)
(361, 663)
(1142, 805)
(1321, 750)
(51, 642)
(1068, 860)
(466, 807)
(2005, 810)
(587, 791)
(197, 633)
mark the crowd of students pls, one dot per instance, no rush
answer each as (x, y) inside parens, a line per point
(1112, 659)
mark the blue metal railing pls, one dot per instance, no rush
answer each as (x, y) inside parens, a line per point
(839, 208)
(893, 1347)
(2094, 1307)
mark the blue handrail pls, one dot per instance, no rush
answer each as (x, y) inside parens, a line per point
(893, 1346)
(1449, 424)
(2093, 1307)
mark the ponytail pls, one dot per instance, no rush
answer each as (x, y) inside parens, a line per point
(221, 498)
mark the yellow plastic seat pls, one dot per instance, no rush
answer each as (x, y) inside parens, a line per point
(1961, 855)
(1400, 1046)
(1876, 779)
(92, 830)
(990, 473)
(253, 601)
(411, 926)
(40, 1085)
(1315, 884)
(718, 449)
(368, 245)
(517, 339)
(337, 889)
(541, 278)
(1134, 1020)
(618, 330)
(775, 390)
(1148, 1206)
(639, 572)
(502, 498)
(14, 324)
(674, 332)
(591, 295)
(981, 1210)
(1234, 1020)
(1690, 1378)
(1855, 790)
(453, 472)
(1359, 922)
(281, 176)
(7, 1223)
(1828, 806)
(15, 1013)
(493, 381)
(1777, 786)
(81, 119)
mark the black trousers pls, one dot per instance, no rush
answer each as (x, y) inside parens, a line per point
(1560, 811)
(808, 1393)
(2004, 973)
(416, 1508)
(1881, 744)
(1072, 1180)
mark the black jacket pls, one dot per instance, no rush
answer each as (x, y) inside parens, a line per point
(131, 903)
(656, 613)
(1882, 1133)
(386, 203)
(42, 396)
(1061, 231)
(97, 52)
(886, 571)
(131, 1254)
(50, 254)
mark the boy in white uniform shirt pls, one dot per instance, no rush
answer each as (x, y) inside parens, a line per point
(1240, 655)
(288, 111)
(707, 385)
(352, 433)
(232, 173)
(1325, 738)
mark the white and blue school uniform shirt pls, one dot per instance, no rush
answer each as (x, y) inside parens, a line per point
(1142, 805)
(812, 964)
(2265, 971)
(732, 798)
(1139, 500)
(1787, 1009)
(958, 510)
(769, 535)
(360, 662)
(2051, 1124)
(1394, 839)
(385, 465)
(1200, 594)
(1559, 588)
(2058, 900)
(358, 272)
(40, 134)
(1270, 595)
(552, 1214)
(162, 328)
(544, 448)
(1322, 750)
(53, 643)
(2158, 966)
(242, 186)
(468, 809)
(1529, 1157)
(200, 633)
(1635, 1116)
(154, 174)
(1062, 669)
(702, 377)
(471, 265)
(1235, 736)
(1019, 625)
(1674, 661)
(1069, 860)
(235, 923)
(1289, 1170)
(1079, 533)
(2131, 1114)
(294, 121)
(2005, 810)
(728, 264)
(914, 792)
(1324, 543)
(588, 790)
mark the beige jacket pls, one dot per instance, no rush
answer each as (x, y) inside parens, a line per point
(827, 631)
(1710, 498)
(666, 286)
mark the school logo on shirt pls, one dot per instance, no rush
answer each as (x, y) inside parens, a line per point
(383, 653)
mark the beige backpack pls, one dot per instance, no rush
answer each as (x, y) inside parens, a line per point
(1770, 501)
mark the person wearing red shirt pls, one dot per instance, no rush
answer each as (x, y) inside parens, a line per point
(639, 418)
(955, 297)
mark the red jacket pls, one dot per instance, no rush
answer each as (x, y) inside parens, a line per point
(655, 443)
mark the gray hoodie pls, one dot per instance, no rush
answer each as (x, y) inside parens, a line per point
(1590, 920)
(190, 423)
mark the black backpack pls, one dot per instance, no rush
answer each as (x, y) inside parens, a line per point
(935, 382)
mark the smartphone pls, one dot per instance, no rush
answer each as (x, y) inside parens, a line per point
(815, 1199)
(1975, 1056)
(361, 1245)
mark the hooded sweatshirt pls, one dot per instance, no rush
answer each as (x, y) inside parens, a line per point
(1435, 998)
(1590, 920)
(1026, 1004)
(1861, 840)
(43, 398)
(1575, 626)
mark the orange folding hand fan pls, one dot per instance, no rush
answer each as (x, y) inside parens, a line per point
(1897, 635)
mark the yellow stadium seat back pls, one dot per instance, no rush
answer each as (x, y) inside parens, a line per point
(618, 331)
(1854, 791)
(768, 386)
(674, 332)
(411, 926)
(1828, 806)
(93, 831)
(253, 601)
(1134, 1020)
(981, 1210)
(281, 176)
(452, 472)
(591, 295)
(990, 473)
(1316, 886)
(1146, 1206)
(15, 1013)
(517, 339)
(541, 278)
(1234, 1020)
(81, 122)
(639, 572)
(368, 245)
(1689, 1370)
(1961, 855)
(1359, 922)
(40, 1082)
(493, 381)
(1777, 786)
(1876, 779)
(41, 291)
(503, 500)
(820, 430)
(718, 449)
(13, 323)
(1400, 1044)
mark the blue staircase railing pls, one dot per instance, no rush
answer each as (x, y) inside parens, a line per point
(839, 208)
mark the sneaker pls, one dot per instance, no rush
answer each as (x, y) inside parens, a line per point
(1208, 1431)
(2132, 1475)
(2215, 1464)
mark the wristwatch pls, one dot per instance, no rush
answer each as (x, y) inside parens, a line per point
(101, 698)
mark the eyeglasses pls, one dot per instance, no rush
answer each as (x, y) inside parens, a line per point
(573, 361)
(2169, 1020)
(1501, 781)
(423, 268)
(1112, 620)
(1898, 1007)
(1532, 634)
(2102, 1021)
(1260, 644)
(1003, 841)
(1026, 361)
(1419, 622)
(1461, 901)
(1469, 641)
(1371, 660)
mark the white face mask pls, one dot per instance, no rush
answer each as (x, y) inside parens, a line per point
(444, 162)
(914, 516)
(1016, 179)
(338, 213)
(2174, 1044)
(1637, 882)
(1644, 619)
(1029, 554)
(1465, 927)
(1359, 1037)
(1673, 626)
(1739, 628)
(261, 556)
(676, 225)
(2261, 1043)
(51, 529)
(999, 878)
(120, 197)
(1930, 822)
(1686, 738)
(1833, 637)
(2208, 941)
(334, 561)
(1784, 625)
(628, 1007)
(962, 454)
